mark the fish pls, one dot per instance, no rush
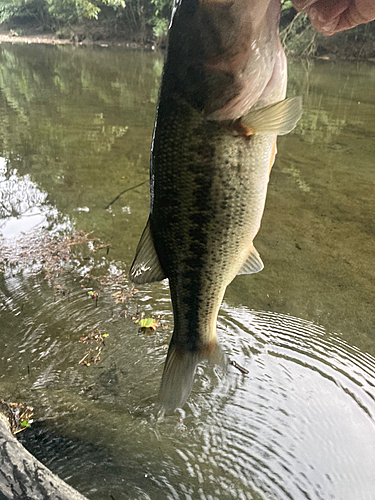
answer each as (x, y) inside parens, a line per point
(222, 104)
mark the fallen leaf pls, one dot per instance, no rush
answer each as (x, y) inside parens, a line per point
(148, 323)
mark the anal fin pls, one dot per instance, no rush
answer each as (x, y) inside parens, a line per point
(253, 264)
(146, 267)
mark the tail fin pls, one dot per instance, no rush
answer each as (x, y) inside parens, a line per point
(179, 370)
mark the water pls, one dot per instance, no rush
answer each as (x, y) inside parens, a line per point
(76, 128)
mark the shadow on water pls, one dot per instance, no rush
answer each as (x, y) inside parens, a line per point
(75, 131)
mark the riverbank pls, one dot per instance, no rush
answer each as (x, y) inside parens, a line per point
(52, 39)
(346, 46)
(49, 38)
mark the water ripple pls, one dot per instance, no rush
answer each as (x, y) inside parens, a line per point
(301, 424)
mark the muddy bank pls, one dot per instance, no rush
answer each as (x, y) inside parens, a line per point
(49, 38)
(10, 36)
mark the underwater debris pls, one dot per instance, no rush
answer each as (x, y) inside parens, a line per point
(94, 335)
(93, 355)
(124, 294)
(40, 251)
(19, 415)
(239, 367)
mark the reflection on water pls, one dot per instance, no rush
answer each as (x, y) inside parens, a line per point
(75, 132)
(23, 205)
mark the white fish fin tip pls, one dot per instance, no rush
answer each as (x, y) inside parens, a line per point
(146, 267)
(253, 263)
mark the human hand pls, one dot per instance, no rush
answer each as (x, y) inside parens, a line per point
(332, 16)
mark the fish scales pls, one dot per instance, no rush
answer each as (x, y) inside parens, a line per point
(210, 170)
(217, 182)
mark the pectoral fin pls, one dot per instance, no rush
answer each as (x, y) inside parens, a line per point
(146, 267)
(253, 264)
(279, 118)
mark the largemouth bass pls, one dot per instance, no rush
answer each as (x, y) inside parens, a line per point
(221, 106)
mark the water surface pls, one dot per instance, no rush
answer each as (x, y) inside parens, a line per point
(75, 131)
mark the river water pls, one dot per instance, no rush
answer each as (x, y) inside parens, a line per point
(75, 131)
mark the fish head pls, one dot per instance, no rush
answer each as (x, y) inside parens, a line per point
(223, 53)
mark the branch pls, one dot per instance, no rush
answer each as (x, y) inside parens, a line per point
(122, 192)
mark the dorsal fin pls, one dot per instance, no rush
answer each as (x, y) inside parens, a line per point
(146, 267)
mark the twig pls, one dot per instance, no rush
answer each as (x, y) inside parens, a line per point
(85, 356)
(96, 358)
(286, 31)
(19, 430)
(239, 367)
(17, 414)
(79, 242)
(122, 192)
(310, 47)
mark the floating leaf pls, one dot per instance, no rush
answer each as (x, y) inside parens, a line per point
(90, 293)
(148, 323)
(105, 335)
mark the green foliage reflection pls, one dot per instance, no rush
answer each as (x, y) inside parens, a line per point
(78, 123)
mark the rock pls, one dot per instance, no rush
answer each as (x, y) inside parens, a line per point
(22, 476)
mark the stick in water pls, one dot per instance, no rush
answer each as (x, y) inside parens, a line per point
(122, 192)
